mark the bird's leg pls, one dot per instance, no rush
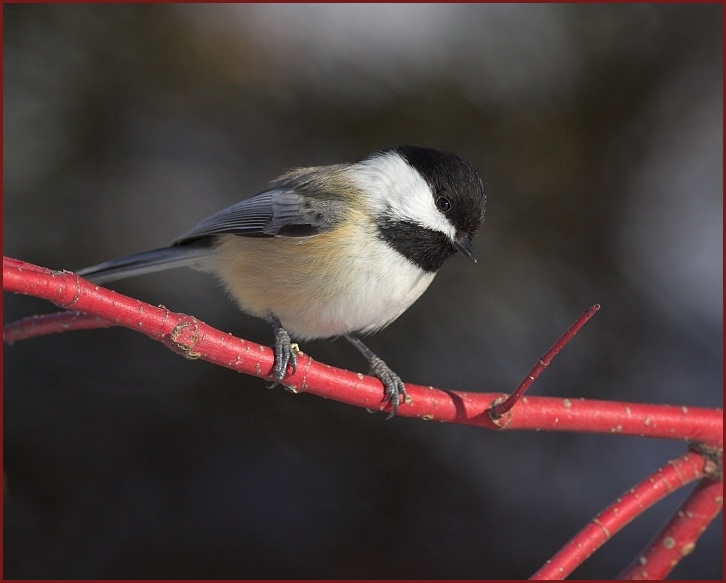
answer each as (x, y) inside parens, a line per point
(284, 351)
(394, 388)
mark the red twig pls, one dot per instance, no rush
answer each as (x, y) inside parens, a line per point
(194, 339)
(678, 538)
(503, 408)
(35, 326)
(675, 474)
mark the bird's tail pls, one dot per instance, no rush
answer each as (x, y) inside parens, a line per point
(146, 262)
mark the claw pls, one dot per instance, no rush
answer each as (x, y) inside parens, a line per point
(393, 387)
(285, 353)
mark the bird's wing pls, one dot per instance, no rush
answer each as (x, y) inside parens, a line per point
(278, 212)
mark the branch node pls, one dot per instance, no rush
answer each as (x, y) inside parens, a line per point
(713, 456)
(500, 420)
(185, 339)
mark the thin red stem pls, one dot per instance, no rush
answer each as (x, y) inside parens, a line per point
(35, 326)
(501, 409)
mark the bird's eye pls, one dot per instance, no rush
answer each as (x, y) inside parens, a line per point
(443, 204)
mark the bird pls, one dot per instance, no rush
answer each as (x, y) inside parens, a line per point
(332, 251)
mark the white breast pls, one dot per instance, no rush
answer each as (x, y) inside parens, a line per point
(372, 294)
(321, 286)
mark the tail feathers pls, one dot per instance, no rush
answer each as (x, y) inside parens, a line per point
(146, 262)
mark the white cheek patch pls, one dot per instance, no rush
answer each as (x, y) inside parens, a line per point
(394, 189)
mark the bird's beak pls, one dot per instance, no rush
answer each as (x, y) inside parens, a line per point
(463, 246)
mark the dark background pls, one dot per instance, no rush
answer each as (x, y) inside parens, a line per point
(598, 131)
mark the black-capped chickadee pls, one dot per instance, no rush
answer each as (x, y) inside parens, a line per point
(332, 250)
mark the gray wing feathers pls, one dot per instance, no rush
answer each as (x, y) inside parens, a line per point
(279, 212)
(292, 216)
(146, 262)
(248, 217)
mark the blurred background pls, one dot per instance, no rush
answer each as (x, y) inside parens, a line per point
(598, 130)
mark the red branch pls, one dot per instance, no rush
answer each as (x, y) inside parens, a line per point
(678, 538)
(675, 474)
(98, 307)
(194, 339)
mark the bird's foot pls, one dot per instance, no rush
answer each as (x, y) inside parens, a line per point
(394, 389)
(285, 353)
